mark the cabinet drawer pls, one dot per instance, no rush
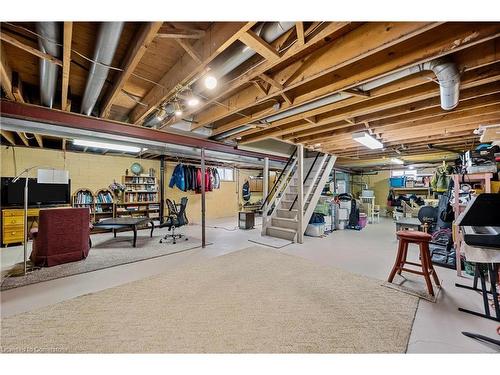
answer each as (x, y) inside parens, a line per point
(13, 220)
(13, 233)
(10, 213)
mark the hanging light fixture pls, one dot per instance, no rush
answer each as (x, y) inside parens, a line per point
(193, 101)
(397, 161)
(177, 109)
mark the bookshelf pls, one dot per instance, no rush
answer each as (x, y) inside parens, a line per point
(140, 198)
(83, 198)
(103, 204)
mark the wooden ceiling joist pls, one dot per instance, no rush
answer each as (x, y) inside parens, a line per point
(24, 138)
(174, 33)
(67, 39)
(190, 50)
(340, 53)
(6, 74)
(331, 30)
(13, 41)
(259, 45)
(300, 33)
(17, 87)
(220, 37)
(9, 136)
(143, 39)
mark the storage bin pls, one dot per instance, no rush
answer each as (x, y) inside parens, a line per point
(315, 230)
(397, 182)
(363, 219)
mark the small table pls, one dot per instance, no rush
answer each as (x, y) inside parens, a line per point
(125, 222)
(408, 223)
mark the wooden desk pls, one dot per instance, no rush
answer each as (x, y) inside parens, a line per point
(13, 223)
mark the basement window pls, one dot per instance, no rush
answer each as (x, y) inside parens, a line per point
(404, 172)
(226, 174)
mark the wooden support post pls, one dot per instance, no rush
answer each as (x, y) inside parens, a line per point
(300, 190)
(203, 170)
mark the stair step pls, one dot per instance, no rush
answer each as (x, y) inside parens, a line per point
(285, 213)
(284, 233)
(281, 222)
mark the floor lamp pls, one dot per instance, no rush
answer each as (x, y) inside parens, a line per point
(45, 176)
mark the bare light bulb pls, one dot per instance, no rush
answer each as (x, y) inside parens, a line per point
(193, 101)
(210, 82)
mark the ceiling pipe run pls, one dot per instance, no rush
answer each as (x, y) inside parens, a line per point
(48, 43)
(232, 58)
(446, 73)
(107, 41)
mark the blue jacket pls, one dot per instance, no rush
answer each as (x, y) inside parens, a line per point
(178, 178)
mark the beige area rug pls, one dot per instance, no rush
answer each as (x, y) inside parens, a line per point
(253, 300)
(414, 286)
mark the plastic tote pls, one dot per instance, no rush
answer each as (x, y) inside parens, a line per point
(315, 230)
(397, 182)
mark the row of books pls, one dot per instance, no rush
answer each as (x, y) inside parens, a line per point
(140, 180)
(104, 197)
(140, 197)
(84, 197)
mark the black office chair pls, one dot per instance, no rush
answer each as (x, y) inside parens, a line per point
(176, 218)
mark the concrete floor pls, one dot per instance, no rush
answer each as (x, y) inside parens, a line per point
(370, 252)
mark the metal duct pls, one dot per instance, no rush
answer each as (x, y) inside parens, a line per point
(446, 72)
(237, 55)
(48, 70)
(107, 41)
(449, 81)
(241, 53)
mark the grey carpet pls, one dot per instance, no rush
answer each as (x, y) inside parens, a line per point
(106, 252)
(253, 300)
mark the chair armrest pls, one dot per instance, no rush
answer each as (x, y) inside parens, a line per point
(33, 233)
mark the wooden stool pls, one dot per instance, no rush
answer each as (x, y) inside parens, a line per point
(406, 237)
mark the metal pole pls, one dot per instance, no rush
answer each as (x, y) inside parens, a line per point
(265, 191)
(203, 169)
(300, 184)
(25, 222)
(162, 188)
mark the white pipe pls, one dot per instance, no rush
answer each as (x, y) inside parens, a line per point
(48, 70)
(107, 41)
(449, 81)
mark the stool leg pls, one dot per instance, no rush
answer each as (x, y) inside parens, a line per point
(431, 266)
(425, 268)
(397, 262)
(403, 257)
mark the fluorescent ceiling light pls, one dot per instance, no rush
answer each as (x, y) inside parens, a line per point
(367, 140)
(106, 146)
(397, 161)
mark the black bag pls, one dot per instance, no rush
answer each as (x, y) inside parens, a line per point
(448, 215)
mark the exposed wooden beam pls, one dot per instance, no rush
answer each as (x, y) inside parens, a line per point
(67, 40)
(23, 138)
(271, 81)
(63, 144)
(364, 94)
(17, 87)
(169, 32)
(39, 140)
(189, 49)
(6, 74)
(331, 114)
(349, 49)
(9, 136)
(134, 55)
(330, 31)
(260, 87)
(300, 32)
(220, 37)
(259, 45)
(13, 41)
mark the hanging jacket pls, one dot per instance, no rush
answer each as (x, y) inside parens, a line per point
(185, 170)
(208, 181)
(198, 180)
(441, 179)
(216, 179)
(177, 178)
